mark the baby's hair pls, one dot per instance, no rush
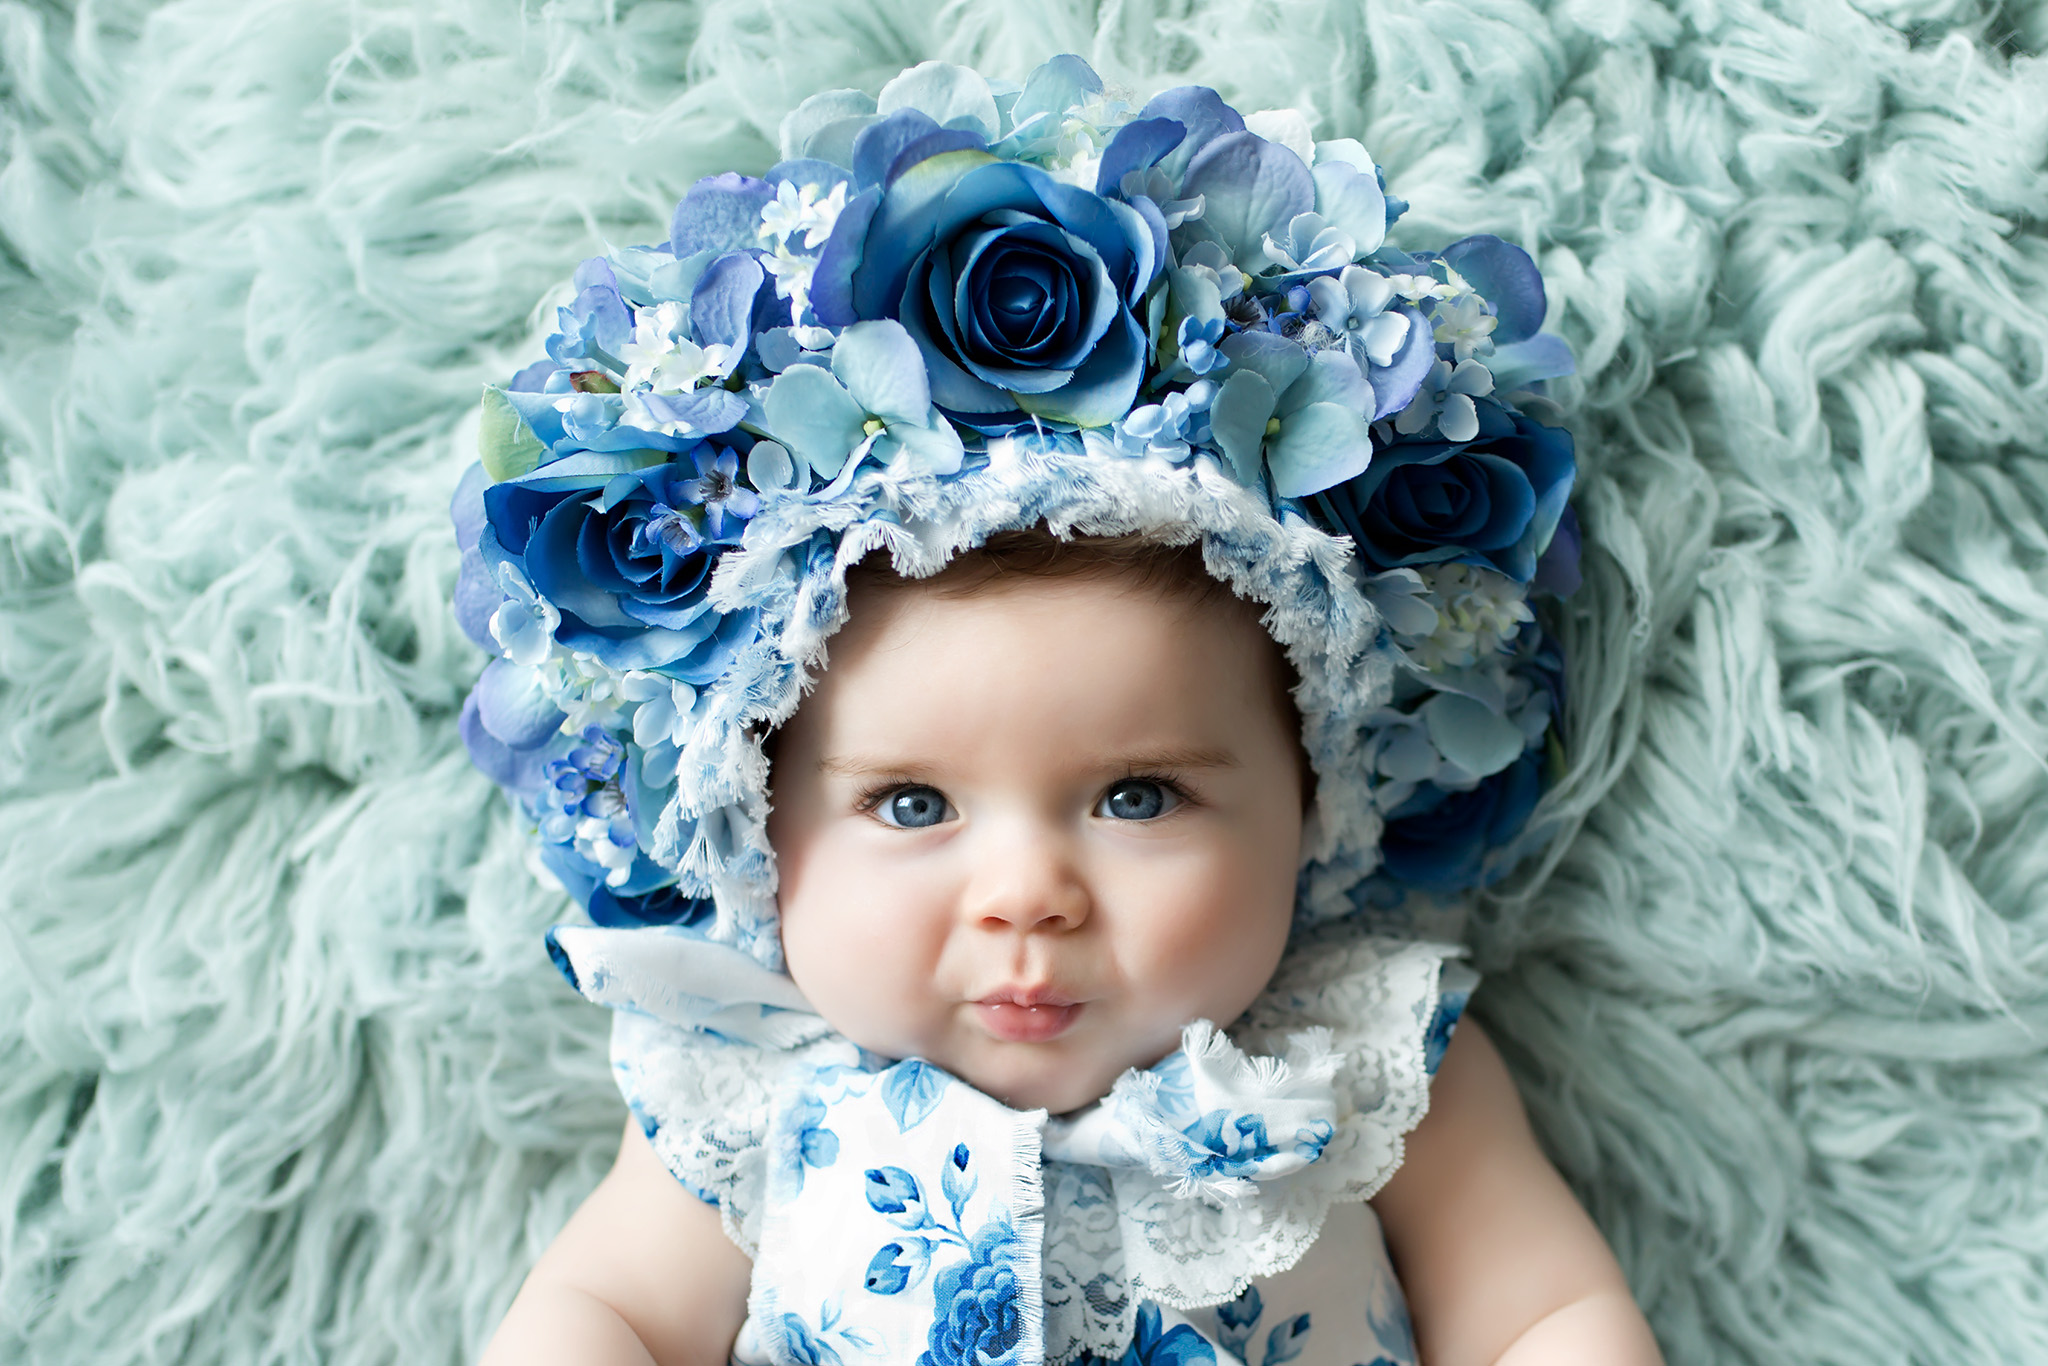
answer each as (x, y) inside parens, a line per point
(1174, 572)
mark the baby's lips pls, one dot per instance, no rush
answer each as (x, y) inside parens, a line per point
(1014, 1022)
(1029, 998)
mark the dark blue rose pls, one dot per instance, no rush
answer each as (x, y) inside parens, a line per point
(649, 897)
(620, 547)
(980, 1320)
(1019, 289)
(1493, 501)
(1440, 840)
(1557, 572)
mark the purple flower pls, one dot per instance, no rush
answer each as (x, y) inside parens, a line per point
(717, 489)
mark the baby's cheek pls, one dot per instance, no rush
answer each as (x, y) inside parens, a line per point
(862, 953)
(1213, 943)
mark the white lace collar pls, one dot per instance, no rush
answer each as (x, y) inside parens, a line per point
(1137, 1201)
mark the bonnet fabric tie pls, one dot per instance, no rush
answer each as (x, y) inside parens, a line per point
(958, 308)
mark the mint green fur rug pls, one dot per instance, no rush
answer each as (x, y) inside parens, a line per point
(287, 1075)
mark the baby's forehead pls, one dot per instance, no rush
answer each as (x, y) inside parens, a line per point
(1072, 658)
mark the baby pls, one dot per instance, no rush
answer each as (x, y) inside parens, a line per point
(1043, 811)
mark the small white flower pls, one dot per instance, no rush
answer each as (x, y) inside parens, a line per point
(661, 358)
(587, 690)
(792, 278)
(803, 211)
(1466, 325)
(1479, 614)
(1445, 398)
(524, 624)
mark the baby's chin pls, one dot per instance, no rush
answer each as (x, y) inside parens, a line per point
(1042, 1077)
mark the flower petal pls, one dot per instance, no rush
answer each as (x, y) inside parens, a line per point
(1238, 418)
(719, 212)
(1103, 388)
(513, 705)
(1331, 377)
(1322, 445)
(1518, 365)
(802, 125)
(1394, 386)
(883, 371)
(1053, 87)
(1278, 359)
(1352, 200)
(770, 466)
(1136, 146)
(1472, 735)
(925, 450)
(505, 444)
(953, 96)
(1203, 115)
(722, 305)
(1250, 187)
(521, 771)
(1507, 277)
(810, 412)
(900, 230)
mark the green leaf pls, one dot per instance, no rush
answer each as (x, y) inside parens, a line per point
(506, 446)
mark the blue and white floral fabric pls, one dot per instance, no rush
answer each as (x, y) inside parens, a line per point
(1209, 1209)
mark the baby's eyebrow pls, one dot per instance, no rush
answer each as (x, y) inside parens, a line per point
(1172, 758)
(855, 766)
(858, 766)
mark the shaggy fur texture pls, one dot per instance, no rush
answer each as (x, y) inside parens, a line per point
(288, 1077)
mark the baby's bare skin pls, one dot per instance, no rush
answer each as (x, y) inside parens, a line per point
(1028, 835)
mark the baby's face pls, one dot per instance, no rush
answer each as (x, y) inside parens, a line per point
(1031, 833)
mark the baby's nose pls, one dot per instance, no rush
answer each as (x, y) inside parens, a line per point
(1029, 883)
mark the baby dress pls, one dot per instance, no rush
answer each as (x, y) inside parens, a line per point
(1210, 1209)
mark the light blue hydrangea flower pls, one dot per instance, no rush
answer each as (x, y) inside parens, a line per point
(875, 402)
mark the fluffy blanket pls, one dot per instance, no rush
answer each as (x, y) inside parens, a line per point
(287, 1076)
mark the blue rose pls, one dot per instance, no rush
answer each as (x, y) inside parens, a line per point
(1440, 840)
(805, 1347)
(620, 547)
(980, 1318)
(1492, 501)
(1018, 288)
(1152, 1344)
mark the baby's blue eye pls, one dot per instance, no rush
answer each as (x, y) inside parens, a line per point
(913, 808)
(1136, 799)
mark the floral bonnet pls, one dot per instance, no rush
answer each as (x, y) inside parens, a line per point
(967, 306)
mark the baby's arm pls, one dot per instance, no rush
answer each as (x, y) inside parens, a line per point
(1500, 1265)
(642, 1273)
